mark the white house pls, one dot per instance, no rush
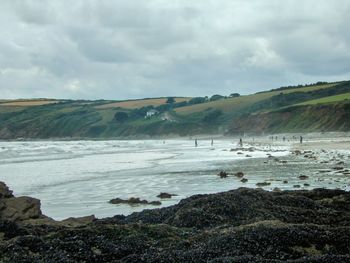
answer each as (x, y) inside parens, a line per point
(151, 113)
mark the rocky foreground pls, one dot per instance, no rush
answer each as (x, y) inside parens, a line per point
(244, 225)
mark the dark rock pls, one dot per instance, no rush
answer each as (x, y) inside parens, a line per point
(5, 192)
(165, 195)
(285, 182)
(239, 174)
(296, 186)
(133, 201)
(223, 174)
(303, 177)
(244, 180)
(243, 225)
(263, 184)
(297, 152)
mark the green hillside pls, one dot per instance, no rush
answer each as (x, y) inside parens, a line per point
(283, 109)
(330, 99)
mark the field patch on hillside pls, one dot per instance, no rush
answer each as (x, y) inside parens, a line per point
(135, 104)
(329, 99)
(234, 104)
(27, 103)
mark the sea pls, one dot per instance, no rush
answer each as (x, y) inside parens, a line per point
(78, 178)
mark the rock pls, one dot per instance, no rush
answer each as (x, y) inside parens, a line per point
(239, 153)
(165, 195)
(133, 201)
(297, 152)
(78, 221)
(20, 208)
(243, 225)
(296, 186)
(285, 181)
(306, 184)
(239, 174)
(5, 192)
(223, 174)
(276, 189)
(338, 168)
(244, 180)
(263, 184)
(303, 177)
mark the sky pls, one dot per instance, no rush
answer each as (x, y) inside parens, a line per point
(124, 49)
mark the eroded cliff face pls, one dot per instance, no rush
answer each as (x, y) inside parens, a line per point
(296, 119)
(243, 225)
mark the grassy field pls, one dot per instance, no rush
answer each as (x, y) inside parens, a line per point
(234, 104)
(27, 103)
(134, 104)
(325, 100)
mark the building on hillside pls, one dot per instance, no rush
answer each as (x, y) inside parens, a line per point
(151, 113)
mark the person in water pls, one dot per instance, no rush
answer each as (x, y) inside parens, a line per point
(301, 139)
(212, 142)
(240, 142)
(195, 143)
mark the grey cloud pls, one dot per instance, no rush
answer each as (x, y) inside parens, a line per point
(125, 49)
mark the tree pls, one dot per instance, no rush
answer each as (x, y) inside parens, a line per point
(197, 100)
(121, 116)
(216, 97)
(170, 100)
(234, 95)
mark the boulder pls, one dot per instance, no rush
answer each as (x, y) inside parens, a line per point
(263, 184)
(223, 174)
(20, 208)
(165, 195)
(133, 201)
(17, 209)
(303, 177)
(5, 192)
(239, 174)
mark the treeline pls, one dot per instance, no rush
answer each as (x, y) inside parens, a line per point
(296, 86)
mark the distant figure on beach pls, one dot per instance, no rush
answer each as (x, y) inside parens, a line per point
(195, 143)
(276, 138)
(284, 138)
(240, 142)
(301, 139)
(212, 142)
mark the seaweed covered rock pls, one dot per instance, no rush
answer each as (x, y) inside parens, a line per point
(243, 225)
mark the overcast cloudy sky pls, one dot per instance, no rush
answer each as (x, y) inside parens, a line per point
(120, 49)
